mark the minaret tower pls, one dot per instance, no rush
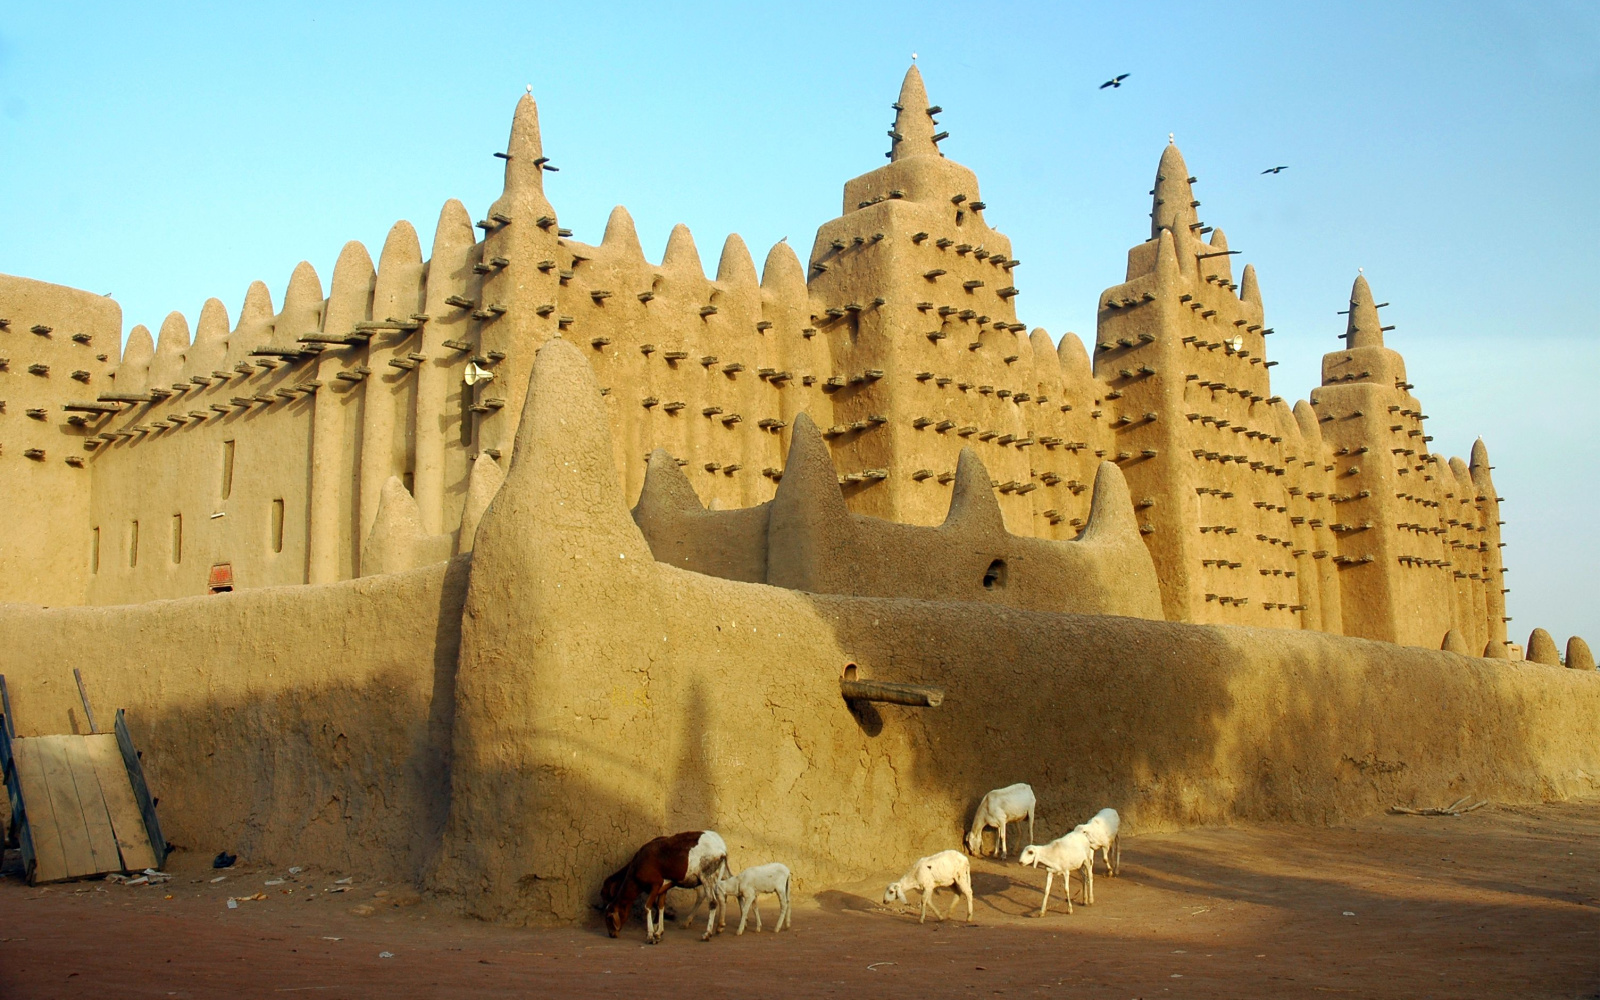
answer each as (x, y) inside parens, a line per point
(1181, 348)
(518, 308)
(920, 323)
(1395, 571)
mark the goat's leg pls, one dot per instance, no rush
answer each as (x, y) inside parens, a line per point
(1049, 878)
(755, 907)
(1030, 826)
(923, 918)
(783, 910)
(1088, 883)
(744, 913)
(711, 916)
(1003, 824)
(966, 890)
(1116, 845)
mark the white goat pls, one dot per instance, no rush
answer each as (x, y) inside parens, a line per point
(1063, 856)
(751, 883)
(932, 872)
(1103, 837)
(1010, 804)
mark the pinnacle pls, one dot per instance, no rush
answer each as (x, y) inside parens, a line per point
(524, 151)
(1364, 329)
(913, 123)
(1173, 205)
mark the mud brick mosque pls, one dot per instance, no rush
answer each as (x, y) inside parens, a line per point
(458, 488)
(254, 451)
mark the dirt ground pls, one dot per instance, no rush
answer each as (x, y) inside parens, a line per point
(1503, 902)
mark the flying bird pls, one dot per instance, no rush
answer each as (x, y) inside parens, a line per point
(1276, 170)
(1115, 81)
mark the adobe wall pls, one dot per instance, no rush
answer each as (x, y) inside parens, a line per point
(604, 698)
(506, 729)
(299, 725)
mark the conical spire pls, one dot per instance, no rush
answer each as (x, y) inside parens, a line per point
(913, 124)
(1173, 205)
(1075, 366)
(257, 306)
(483, 484)
(171, 343)
(210, 340)
(1364, 329)
(1110, 507)
(1310, 425)
(302, 305)
(1166, 258)
(1249, 289)
(666, 490)
(1480, 456)
(452, 232)
(133, 374)
(524, 151)
(973, 506)
(782, 272)
(621, 237)
(350, 293)
(735, 267)
(681, 253)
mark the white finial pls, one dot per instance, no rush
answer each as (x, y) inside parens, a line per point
(1361, 270)
(529, 89)
(913, 57)
(1169, 139)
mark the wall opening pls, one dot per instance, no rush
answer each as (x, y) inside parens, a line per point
(227, 469)
(94, 551)
(133, 543)
(277, 525)
(220, 579)
(177, 538)
(995, 576)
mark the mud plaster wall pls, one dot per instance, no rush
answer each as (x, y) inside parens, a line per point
(298, 724)
(604, 699)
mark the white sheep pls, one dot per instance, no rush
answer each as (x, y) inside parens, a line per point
(751, 883)
(1103, 837)
(932, 872)
(1063, 856)
(1010, 804)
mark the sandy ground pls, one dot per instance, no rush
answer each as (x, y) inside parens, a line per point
(1504, 902)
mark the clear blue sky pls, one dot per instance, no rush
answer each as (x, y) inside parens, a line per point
(166, 154)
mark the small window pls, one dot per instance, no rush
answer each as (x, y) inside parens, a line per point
(227, 469)
(220, 579)
(277, 525)
(94, 551)
(133, 543)
(995, 577)
(177, 538)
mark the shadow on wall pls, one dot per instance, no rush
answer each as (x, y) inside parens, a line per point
(288, 725)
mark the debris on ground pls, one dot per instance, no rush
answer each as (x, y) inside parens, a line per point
(1453, 809)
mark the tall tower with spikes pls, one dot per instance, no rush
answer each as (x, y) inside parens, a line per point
(919, 314)
(1414, 533)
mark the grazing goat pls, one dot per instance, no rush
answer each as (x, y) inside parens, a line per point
(689, 860)
(1010, 804)
(1103, 837)
(750, 884)
(945, 868)
(1063, 856)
